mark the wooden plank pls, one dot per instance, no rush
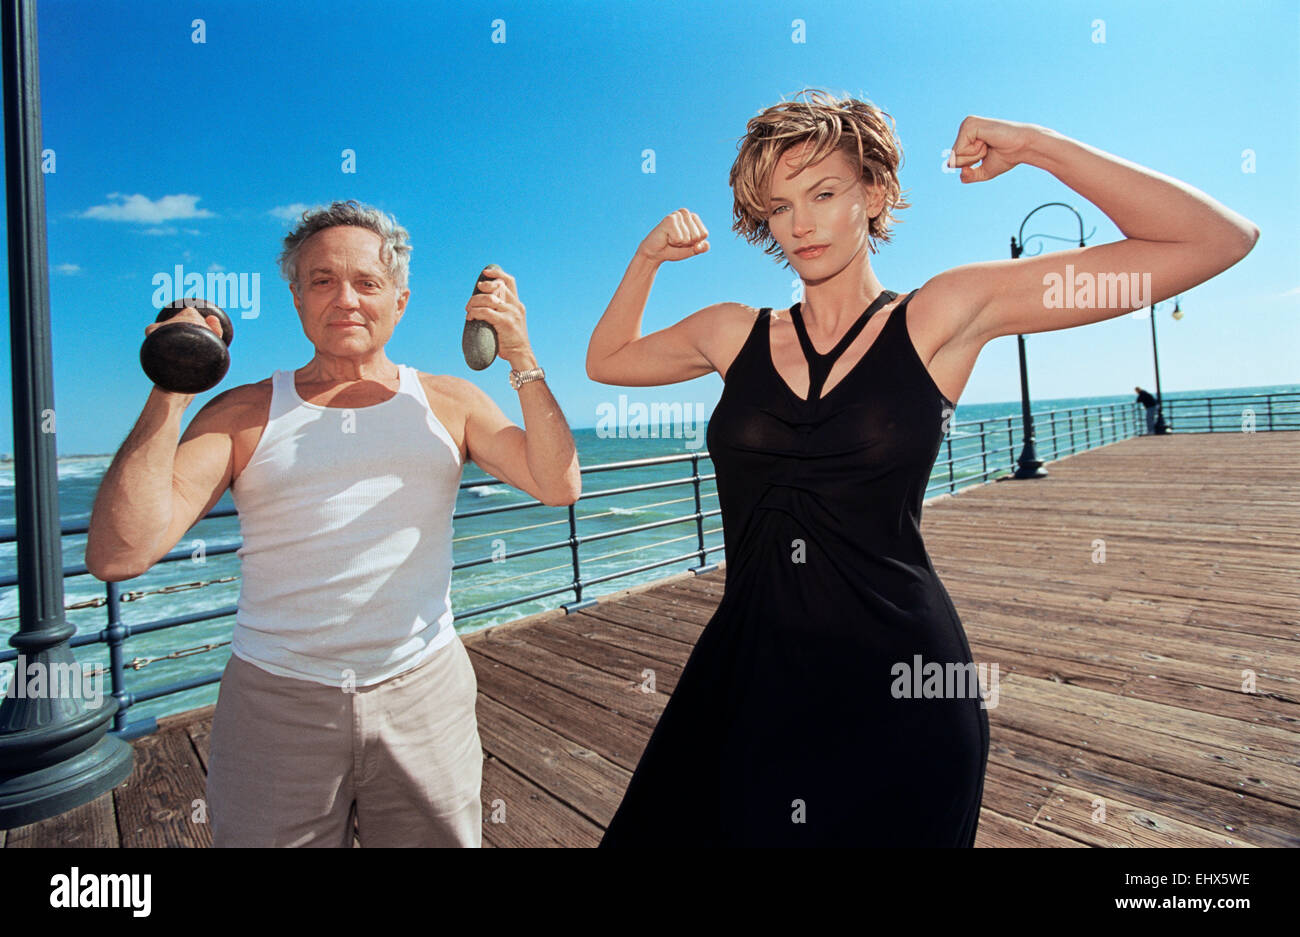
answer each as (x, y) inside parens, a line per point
(1174, 640)
(667, 617)
(1044, 665)
(705, 588)
(693, 613)
(587, 625)
(1276, 745)
(1244, 707)
(1095, 820)
(200, 733)
(1031, 596)
(1190, 662)
(615, 695)
(183, 720)
(516, 812)
(91, 825)
(1216, 764)
(576, 776)
(598, 728)
(598, 655)
(1261, 822)
(156, 805)
(998, 831)
(652, 628)
(1013, 793)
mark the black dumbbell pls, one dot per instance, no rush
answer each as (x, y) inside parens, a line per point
(479, 340)
(185, 357)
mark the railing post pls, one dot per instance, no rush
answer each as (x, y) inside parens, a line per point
(952, 477)
(1071, 431)
(573, 548)
(578, 603)
(984, 453)
(701, 567)
(1269, 401)
(699, 519)
(117, 671)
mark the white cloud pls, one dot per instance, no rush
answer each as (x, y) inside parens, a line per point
(143, 209)
(289, 212)
(1294, 291)
(68, 269)
(216, 268)
(160, 232)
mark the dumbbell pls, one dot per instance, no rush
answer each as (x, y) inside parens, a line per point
(479, 340)
(187, 358)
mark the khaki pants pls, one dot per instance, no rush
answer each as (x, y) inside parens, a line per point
(294, 763)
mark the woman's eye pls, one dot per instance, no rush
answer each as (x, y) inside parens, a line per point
(825, 193)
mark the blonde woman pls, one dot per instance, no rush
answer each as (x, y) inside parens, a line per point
(809, 712)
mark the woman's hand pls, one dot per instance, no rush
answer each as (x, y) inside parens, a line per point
(1001, 144)
(677, 237)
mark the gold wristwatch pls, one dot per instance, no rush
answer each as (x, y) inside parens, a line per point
(519, 378)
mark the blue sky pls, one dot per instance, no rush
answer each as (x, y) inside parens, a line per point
(528, 153)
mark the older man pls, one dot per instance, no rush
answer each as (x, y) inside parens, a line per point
(348, 696)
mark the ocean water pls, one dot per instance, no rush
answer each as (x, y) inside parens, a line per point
(203, 581)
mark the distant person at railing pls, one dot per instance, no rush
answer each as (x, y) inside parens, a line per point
(348, 693)
(1150, 403)
(796, 719)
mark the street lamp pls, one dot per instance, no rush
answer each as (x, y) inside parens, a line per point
(55, 750)
(1161, 427)
(1029, 465)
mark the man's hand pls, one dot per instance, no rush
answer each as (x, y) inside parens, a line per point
(188, 314)
(496, 301)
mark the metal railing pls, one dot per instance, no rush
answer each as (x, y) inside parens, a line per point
(972, 453)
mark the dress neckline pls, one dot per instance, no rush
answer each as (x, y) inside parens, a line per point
(820, 363)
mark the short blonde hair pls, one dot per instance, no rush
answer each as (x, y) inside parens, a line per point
(859, 129)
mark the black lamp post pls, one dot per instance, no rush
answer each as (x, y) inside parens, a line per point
(55, 753)
(1029, 465)
(1161, 428)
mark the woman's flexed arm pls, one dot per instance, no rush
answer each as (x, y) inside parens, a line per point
(1175, 237)
(617, 353)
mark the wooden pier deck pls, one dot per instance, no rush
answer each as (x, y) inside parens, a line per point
(1124, 686)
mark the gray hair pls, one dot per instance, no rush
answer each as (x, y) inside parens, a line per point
(395, 251)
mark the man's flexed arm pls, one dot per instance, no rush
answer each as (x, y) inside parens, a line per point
(156, 489)
(540, 458)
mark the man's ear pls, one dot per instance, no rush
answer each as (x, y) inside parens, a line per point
(293, 291)
(402, 298)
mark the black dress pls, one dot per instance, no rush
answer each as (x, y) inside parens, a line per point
(797, 719)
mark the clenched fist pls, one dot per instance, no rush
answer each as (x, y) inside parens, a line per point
(677, 237)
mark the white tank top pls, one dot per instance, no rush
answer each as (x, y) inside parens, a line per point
(346, 519)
